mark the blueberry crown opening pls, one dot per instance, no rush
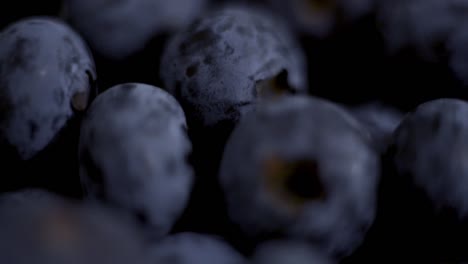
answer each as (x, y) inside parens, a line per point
(274, 86)
(303, 181)
(294, 183)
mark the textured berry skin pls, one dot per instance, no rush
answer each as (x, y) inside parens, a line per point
(284, 251)
(319, 17)
(423, 25)
(59, 232)
(333, 206)
(430, 147)
(46, 73)
(133, 153)
(193, 248)
(214, 66)
(117, 29)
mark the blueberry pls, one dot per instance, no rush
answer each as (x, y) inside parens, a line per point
(228, 60)
(423, 25)
(301, 167)
(117, 29)
(318, 18)
(430, 147)
(133, 153)
(291, 252)
(380, 120)
(193, 248)
(46, 73)
(66, 232)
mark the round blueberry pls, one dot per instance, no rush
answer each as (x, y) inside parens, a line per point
(117, 29)
(319, 17)
(301, 167)
(431, 144)
(291, 252)
(59, 231)
(134, 153)
(226, 61)
(46, 73)
(192, 248)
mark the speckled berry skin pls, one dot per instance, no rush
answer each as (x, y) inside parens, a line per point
(193, 248)
(430, 148)
(117, 29)
(46, 72)
(58, 231)
(134, 154)
(343, 171)
(214, 66)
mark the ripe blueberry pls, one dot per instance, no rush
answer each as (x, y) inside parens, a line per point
(229, 59)
(46, 73)
(133, 153)
(301, 167)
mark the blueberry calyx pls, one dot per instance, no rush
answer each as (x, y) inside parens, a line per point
(275, 86)
(294, 183)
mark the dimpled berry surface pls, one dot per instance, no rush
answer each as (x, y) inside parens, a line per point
(43, 65)
(213, 66)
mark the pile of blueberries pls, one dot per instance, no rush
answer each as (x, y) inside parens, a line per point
(233, 131)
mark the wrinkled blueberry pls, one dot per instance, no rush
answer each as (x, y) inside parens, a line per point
(46, 73)
(117, 29)
(226, 61)
(431, 146)
(289, 252)
(308, 170)
(133, 153)
(193, 248)
(63, 232)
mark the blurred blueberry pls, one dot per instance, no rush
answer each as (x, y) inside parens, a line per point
(63, 232)
(458, 52)
(319, 18)
(193, 248)
(422, 25)
(289, 252)
(431, 146)
(302, 167)
(117, 29)
(133, 153)
(380, 120)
